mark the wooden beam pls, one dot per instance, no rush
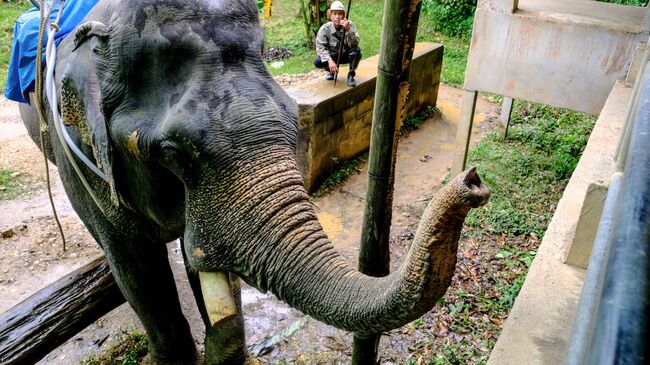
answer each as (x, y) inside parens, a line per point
(506, 112)
(506, 6)
(464, 132)
(44, 321)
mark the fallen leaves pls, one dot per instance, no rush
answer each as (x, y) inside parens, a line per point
(466, 323)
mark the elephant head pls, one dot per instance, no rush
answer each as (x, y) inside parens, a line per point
(174, 102)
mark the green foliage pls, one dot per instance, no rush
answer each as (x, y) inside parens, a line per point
(451, 17)
(317, 15)
(286, 29)
(9, 11)
(559, 132)
(414, 122)
(455, 54)
(417, 323)
(340, 174)
(528, 171)
(130, 351)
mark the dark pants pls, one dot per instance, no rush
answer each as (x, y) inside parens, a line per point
(351, 56)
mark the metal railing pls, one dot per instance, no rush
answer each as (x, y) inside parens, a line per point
(611, 324)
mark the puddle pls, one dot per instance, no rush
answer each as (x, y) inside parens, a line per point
(447, 147)
(332, 224)
(452, 113)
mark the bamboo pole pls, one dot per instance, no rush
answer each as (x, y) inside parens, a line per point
(397, 43)
(305, 18)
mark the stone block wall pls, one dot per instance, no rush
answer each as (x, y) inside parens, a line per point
(335, 122)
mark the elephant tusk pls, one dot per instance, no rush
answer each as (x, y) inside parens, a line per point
(217, 296)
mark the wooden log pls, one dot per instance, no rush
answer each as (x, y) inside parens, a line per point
(39, 324)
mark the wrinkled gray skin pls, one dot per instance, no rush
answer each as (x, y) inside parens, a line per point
(174, 102)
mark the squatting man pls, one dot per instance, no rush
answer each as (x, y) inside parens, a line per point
(328, 44)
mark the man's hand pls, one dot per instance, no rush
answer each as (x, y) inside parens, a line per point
(346, 24)
(332, 66)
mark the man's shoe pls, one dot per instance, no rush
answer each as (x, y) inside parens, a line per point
(329, 76)
(351, 81)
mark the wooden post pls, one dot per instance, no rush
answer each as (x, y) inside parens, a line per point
(507, 6)
(399, 28)
(464, 132)
(39, 324)
(506, 112)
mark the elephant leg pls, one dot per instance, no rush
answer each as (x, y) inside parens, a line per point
(225, 344)
(141, 270)
(137, 255)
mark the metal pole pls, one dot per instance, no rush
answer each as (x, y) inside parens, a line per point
(630, 115)
(621, 329)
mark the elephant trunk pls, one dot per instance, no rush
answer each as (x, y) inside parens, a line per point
(289, 254)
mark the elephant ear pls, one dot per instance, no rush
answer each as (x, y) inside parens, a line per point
(81, 99)
(89, 29)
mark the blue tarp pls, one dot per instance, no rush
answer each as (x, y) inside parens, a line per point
(22, 71)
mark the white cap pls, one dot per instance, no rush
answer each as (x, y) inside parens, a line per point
(337, 5)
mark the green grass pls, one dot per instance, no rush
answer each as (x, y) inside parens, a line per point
(455, 53)
(528, 171)
(286, 29)
(10, 184)
(129, 351)
(9, 11)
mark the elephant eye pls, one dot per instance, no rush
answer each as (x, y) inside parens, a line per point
(173, 158)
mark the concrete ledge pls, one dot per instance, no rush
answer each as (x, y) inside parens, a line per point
(335, 122)
(538, 329)
(616, 17)
(562, 53)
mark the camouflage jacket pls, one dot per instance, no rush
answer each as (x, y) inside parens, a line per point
(327, 40)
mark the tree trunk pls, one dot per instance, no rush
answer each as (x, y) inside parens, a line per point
(317, 15)
(47, 319)
(303, 11)
(400, 24)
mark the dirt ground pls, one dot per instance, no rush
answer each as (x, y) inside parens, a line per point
(31, 254)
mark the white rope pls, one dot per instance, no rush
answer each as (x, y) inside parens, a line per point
(68, 144)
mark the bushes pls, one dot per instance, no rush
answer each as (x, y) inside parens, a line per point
(455, 17)
(451, 17)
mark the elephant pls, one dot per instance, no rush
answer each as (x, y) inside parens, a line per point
(192, 138)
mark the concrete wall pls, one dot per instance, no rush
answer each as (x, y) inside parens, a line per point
(538, 329)
(557, 52)
(335, 122)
